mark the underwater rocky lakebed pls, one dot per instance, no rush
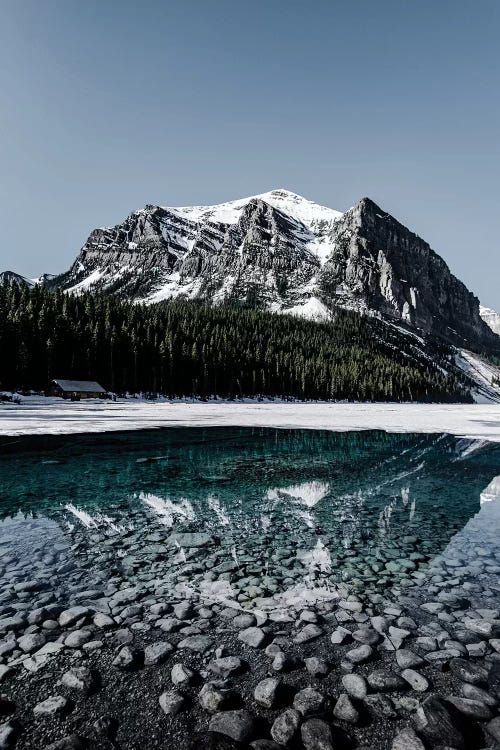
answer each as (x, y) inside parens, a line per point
(179, 586)
(263, 517)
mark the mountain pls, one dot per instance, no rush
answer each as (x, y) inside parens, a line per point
(11, 277)
(491, 318)
(15, 278)
(282, 252)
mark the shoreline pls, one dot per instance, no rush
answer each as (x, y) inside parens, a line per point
(128, 667)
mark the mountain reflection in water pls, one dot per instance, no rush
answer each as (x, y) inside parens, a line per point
(278, 514)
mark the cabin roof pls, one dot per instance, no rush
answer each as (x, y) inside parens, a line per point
(89, 386)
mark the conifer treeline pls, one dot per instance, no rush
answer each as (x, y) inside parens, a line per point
(182, 348)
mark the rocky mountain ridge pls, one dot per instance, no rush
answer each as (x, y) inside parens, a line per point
(285, 253)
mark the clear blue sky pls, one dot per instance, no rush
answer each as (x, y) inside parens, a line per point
(107, 105)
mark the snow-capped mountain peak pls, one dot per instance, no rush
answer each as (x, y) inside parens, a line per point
(301, 209)
(491, 318)
(283, 252)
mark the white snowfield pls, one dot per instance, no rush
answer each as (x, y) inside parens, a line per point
(51, 416)
(491, 318)
(300, 208)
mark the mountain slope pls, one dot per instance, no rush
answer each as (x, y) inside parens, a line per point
(391, 270)
(282, 252)
(183, 349)
(484, 375)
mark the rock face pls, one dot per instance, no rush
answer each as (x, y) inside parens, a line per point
(387, 268)
(282, 252)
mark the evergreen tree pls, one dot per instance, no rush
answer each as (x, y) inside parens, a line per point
(184, 348)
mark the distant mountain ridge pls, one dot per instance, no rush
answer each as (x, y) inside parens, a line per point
(13, 277)
(491, 318)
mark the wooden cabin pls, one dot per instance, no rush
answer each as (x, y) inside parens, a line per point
(77, 389)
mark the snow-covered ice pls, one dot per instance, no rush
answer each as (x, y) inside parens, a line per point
(39, 416)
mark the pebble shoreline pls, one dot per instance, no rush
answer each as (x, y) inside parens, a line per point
(138, 666)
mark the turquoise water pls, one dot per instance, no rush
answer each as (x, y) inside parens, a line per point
(287, 508)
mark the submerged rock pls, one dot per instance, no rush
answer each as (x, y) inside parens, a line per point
(191, 539)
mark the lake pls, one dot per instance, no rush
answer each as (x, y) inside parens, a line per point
(261, 517)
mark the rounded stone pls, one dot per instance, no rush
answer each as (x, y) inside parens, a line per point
(309, 701)
(407, 739)
(239, 725)
(54, 705)
(182, 675)
(345, 711)
(77, 638)
(383, 680)
(172, 702)
(31, 642)
(355, 685)
(157, 653)
(253, 637)
(416, 680)
(285, 726)
(316, 735)
(360, 654)
(266, 692)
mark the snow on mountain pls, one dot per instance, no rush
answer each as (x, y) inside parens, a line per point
(309, 213)
(313, 309)
(280, 251)
(285, 253)
(483, 373)
(12, 277)
(491, 318)
(319, 220)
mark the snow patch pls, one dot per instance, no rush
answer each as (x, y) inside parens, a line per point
(216, 507)
(312, 215)
(483, 373)
(491, 492)
(313, 309)
(87, 283)
(307, 493)
(94, 522)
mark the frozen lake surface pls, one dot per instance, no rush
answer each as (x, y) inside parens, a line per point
(38, 416)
